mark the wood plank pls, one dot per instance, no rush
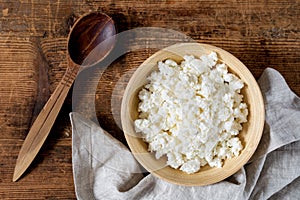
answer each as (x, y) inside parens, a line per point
(261, 34)
(18, 83)
(41, 181)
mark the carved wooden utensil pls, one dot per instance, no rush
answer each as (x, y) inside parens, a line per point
(87, 33)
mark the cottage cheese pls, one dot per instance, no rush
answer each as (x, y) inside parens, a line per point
(192, 112)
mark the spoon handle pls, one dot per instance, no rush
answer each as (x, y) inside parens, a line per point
(44, 122)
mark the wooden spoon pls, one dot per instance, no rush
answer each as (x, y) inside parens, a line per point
(89, 31)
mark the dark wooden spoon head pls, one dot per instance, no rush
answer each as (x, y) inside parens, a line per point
(87, 33)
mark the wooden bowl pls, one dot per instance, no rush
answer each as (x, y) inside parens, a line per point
(250, 135)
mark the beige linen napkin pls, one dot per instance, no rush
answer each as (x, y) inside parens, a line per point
(105, 169)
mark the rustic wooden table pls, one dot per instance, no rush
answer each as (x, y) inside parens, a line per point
(33, 37)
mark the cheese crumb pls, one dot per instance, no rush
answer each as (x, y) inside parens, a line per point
(192, 112)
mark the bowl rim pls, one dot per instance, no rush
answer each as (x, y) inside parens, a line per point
(195, 179)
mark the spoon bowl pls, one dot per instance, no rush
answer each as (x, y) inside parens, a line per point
(88, 32)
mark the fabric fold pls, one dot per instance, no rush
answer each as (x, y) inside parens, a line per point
(105, 169)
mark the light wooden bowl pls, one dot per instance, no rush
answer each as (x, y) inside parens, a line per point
(250, 135)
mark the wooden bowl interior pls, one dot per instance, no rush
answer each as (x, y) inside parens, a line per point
(250, 135)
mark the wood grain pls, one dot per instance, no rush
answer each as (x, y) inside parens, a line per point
(43, 123)
(260, 33)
